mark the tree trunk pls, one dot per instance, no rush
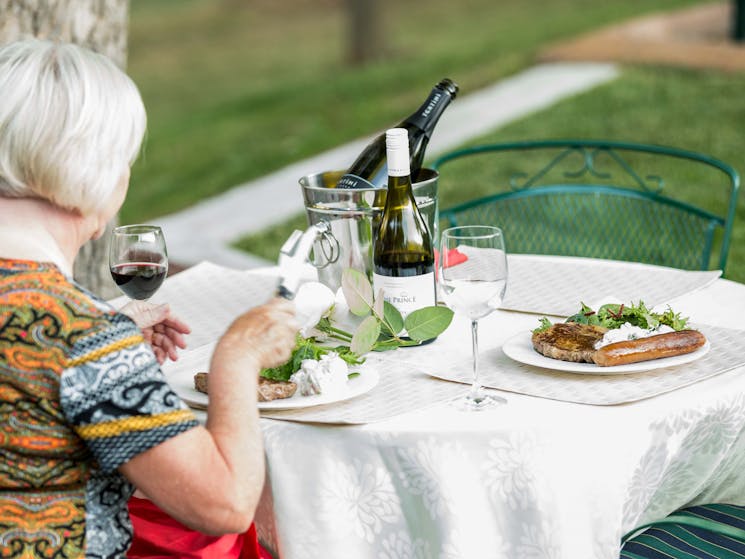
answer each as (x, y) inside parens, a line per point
(364, 29)
(738, 20)
(100, 25)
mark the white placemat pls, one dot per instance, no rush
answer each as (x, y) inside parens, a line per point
(499, 371)
(402, 388)
(556, 286)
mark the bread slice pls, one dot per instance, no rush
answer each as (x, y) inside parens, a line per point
(267, 389)
(275, 389)
(200, 382)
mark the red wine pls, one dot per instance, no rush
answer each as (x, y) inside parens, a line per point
(139, 280)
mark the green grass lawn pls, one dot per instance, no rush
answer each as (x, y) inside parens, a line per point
(699, 111)
(237, 89)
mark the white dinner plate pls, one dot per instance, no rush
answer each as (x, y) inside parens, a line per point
(183, 384)
(520, 348)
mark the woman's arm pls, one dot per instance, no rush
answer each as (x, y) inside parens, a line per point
(211, 478)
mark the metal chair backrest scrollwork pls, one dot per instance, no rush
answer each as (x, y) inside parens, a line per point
(599, 199)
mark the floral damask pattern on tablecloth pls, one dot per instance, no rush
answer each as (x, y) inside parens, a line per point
(398, 496)
(668, 472)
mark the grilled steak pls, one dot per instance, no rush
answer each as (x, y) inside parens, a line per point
(267, 390)
(568, 341)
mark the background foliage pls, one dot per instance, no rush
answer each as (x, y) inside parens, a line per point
(237, 89)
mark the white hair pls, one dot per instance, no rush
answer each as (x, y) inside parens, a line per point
(71, 123)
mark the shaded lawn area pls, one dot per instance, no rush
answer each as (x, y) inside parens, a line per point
(237, 89)
(697, 111)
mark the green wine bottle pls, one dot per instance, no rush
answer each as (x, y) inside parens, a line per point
(369, 169)
(403, 260)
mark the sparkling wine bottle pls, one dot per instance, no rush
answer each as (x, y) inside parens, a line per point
(369, 169)
(403, 260)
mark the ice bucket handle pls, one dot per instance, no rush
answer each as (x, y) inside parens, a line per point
(295, 254)
(326, 250)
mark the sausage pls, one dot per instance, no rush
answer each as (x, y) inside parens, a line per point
(653, 347)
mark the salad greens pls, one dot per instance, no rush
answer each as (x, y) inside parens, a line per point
(613, 316)
(308, 348)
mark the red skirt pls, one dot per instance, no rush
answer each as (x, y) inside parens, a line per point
(158, 536)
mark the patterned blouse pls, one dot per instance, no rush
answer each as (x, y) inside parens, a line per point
(81, 393)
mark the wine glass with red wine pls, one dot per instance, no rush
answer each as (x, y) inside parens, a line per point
(138, 260)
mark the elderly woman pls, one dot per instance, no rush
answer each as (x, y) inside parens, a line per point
(86, 414)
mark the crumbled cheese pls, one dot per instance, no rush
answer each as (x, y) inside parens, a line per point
(628, 332)
(327, 375)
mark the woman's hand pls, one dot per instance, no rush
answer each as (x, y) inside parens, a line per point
(164, 332)
(265, 333)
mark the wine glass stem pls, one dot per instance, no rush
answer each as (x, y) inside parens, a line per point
(475, 386)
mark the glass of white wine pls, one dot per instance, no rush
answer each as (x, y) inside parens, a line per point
(473, 286)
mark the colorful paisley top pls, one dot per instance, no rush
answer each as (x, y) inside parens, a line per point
(81, 393)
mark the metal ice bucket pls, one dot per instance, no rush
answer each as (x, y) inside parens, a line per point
(352, 217)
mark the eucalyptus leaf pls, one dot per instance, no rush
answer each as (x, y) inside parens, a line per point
(387, 345)
(427, 323)
(393, 319)
(357, 291)
(379, 300)
(366, 335)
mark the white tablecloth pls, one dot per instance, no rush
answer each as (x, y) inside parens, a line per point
(535, 478)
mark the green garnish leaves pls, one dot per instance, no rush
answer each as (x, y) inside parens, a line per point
(545, 325)
(308, 348)
(585, 316)
(673, 320)
(613, 316)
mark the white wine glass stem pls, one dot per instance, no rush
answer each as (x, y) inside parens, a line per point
(475, 394)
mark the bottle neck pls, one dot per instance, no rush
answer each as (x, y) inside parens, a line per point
(399, 172)
(398, 160)
(399, 194)
(399, 187)
(429, 113)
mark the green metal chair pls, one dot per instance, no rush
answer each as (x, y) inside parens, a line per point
(599, 199)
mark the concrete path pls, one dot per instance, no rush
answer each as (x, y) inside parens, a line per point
(205, 230)
(696, 36)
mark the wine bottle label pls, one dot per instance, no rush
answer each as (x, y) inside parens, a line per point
(353, 182)
(429, 113)
(407, 294)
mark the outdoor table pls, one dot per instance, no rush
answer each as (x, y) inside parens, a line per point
(540, 476)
